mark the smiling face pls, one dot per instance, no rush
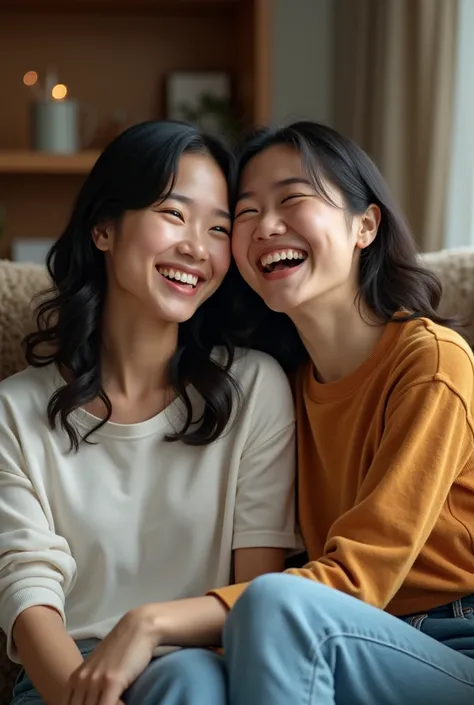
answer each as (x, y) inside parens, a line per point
(293, 247)
(166, 260)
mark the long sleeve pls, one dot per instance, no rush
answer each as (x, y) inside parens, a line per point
(36, 566)
(427, 445)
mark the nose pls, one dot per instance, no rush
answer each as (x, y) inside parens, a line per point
(194, 246)
(269, 225)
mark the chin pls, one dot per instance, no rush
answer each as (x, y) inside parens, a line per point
(174, 316)
(280, 304)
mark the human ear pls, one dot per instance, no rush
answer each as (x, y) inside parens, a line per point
(368, 226)
(103, 236)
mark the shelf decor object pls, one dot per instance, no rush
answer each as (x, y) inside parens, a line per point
(55, 119)
(202, 98)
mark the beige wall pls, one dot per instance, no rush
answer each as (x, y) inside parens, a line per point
(302, 60)
(459, 221)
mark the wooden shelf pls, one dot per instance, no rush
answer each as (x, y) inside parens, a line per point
(24, 162)
(157, 7)
(132, 48)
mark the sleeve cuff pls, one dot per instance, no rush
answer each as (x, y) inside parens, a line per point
(264, 539)
(229, 595)
(21, 601)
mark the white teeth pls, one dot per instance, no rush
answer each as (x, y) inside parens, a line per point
(265, 260)
(182, 277)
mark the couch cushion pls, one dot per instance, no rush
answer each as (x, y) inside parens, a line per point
(455, 268)
(18, 284)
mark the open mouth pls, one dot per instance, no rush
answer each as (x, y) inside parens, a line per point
(281, 259)
(178, 277)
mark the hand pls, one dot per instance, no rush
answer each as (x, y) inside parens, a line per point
(115, 663)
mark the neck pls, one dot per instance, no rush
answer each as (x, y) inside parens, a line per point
(136, 350)
(338, 338)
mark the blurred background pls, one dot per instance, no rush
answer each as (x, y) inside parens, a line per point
(395, 75)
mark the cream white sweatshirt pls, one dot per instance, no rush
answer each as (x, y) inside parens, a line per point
(132, 519)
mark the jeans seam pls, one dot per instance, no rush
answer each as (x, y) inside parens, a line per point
(389, 645)
(417, 621)
(314, 667)
(19, 699)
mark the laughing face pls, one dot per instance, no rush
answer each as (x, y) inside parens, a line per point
(293, 247)
(164, 261)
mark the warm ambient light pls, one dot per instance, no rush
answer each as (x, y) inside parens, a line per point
(30, 78)
(59, 91)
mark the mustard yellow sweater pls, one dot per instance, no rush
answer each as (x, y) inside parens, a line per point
(386, 473)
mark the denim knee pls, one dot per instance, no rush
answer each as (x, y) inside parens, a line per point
(288, 597)
(270, 593)
(272, 587)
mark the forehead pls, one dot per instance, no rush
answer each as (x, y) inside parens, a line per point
(199, 177)
(274, 164)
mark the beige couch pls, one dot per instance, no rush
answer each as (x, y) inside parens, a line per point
(18, 283)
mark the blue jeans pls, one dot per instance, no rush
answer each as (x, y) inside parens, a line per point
(187, 676)
(290, 640)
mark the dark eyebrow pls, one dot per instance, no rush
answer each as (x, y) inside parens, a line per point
(279, 184)
(189, 201)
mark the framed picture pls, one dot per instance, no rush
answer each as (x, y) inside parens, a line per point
(202, 98)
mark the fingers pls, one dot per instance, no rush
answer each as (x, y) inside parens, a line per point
(94, 688)
(112, 690)
(91, 689)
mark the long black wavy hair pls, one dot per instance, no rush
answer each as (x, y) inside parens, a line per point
(391, 276)
(136, 170)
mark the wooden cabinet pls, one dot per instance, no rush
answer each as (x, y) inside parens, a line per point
(114, 55)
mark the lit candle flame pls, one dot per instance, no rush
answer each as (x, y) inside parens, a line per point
(59, 91)
(30, 78)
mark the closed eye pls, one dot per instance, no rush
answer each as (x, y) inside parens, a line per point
(246, 210)
(294, 195)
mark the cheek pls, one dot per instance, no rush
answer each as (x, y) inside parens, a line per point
(221, 254)
(321, 227)
(239, 245)
(141, 246)
(309, 222)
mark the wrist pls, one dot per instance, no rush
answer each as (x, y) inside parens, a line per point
(196, 621)
(150, 618)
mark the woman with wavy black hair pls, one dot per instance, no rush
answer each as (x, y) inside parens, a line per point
(142, 458)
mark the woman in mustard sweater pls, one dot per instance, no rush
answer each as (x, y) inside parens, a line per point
(385, 402)
(383, 612)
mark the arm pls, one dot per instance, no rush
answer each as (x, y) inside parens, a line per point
(47, 652)
(427, 443)
(249, 563)
(199, 621)
(36, 571)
